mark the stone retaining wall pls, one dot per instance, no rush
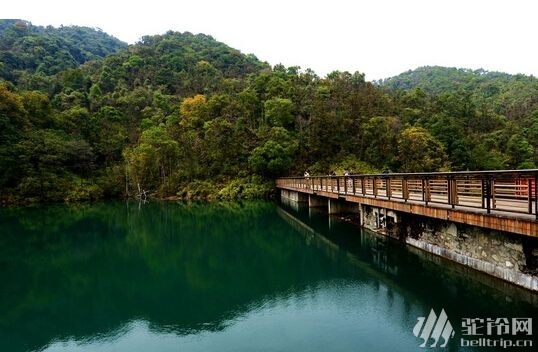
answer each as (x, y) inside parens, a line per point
(511, 257)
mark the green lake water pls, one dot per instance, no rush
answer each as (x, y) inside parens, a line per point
(251, 276)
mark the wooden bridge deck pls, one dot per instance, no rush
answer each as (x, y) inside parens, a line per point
(501, 200)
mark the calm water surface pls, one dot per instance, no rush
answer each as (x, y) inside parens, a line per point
(225, 277)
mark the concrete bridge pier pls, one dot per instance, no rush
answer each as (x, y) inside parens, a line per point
(295, 196)
(293, 199)
(316, 202)
(337, 206)
(380, 219)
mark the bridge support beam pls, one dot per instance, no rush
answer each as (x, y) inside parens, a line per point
(380, 219)
(316, 201)
(295, 196)
(293, 199)
(337, 206)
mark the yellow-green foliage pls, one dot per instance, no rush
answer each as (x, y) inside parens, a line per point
(254, 187)
(199, 190)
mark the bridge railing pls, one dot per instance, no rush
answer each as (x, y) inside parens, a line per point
(512, 191)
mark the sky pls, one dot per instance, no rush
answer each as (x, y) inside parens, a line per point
(379, 38)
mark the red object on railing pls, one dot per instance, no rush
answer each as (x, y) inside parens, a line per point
(529, 182)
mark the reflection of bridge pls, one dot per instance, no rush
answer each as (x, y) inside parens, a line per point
(498, 200)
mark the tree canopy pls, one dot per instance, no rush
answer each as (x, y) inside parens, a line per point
(84, 116)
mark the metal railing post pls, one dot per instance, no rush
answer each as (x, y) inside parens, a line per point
(425, 190)
(452, 191)
(487, 192)
(536, 195)
(483, 195)
(405, 189)
(529, 194)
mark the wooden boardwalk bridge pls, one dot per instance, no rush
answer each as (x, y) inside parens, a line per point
(498, 200)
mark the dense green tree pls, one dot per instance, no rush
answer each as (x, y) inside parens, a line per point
(13, 124)
(381, 135)
(531, 133)
(520, 153)
(13, 116)
(419, 151)
(151, 163)
(274, 157)
(221, 148)
(49, 160)
(484, 158)
(193, 111)
(107, 135)
(39, 109)
(449, 131)
(279, 112)
(271, 159)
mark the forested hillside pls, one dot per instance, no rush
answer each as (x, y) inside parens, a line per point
(508, 95)
(183, 115)
(29, 54)
(485, 120)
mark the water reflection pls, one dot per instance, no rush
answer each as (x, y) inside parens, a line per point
(289, 322)
(222, 276)
(425, 280)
